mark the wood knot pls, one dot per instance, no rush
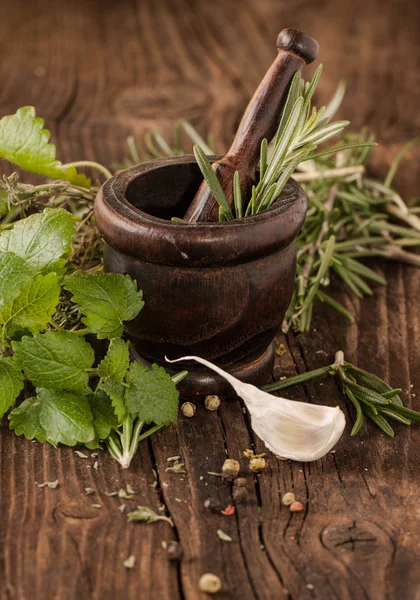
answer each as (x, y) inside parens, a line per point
(78, 510)
(361, 537)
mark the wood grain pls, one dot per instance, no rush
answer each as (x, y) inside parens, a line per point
(97, 72)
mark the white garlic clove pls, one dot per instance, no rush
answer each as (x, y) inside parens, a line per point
(295, 430)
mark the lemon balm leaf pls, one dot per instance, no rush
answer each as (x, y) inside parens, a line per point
(25, 143)
(106, 300)
(66, 417)
(32, 310)
(15, 274)
(116, 392)
(151, 396)
(115, 364)
(24, 420)
(11, 383)
(59, 360)
(104, 418)
(43, 240)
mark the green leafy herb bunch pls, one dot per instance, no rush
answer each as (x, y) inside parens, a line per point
(54, 313)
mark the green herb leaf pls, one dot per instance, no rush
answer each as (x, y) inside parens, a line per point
(24, 142)
(25, 420)
(388, 412)
(116, 392)
(32, 310)
(212, 182)
(372, 381)
(146, 514)
(380, 421)
(55, 359)
(116, 362)
(408, 413)
(15, 273)
(43, 239)
(11, 383)
(106, 300)
(152, 395)
(66, 417)
(104, 418)
(358, 424)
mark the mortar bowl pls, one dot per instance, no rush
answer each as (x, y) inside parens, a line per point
(215, 290)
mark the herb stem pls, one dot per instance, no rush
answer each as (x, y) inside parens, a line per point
(296, 379)
(114, 447)
(328, 173)
(150, 431)
(89, 163)
(10, 217)
(56, 326)
(127, 430)
(80, 332)
(135, 438)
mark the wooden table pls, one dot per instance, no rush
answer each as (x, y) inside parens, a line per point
(98, 71)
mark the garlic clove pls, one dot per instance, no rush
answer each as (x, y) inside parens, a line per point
(295, 430)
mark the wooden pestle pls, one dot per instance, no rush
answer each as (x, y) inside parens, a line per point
(260, 120)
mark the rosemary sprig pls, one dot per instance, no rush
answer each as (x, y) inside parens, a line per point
(370, 396)
(302, 128)
(367, 217)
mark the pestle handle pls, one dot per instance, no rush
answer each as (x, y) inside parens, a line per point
(260, 120)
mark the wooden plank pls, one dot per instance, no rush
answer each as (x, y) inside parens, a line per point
(97, 73)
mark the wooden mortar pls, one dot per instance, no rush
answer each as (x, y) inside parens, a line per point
(216, 290)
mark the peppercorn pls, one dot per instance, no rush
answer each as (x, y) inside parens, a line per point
(230, 469)
(257, 464)
(188, 409)
(210, 583)
(174, 551)
(212, 402)
(288, 498)
(296, 506)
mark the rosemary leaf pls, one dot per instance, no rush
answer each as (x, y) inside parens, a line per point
(212, 181)
(237, 196)
(358, 424)
(380, 421)
(391, 414)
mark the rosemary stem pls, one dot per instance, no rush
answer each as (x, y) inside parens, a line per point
(296, 379)
(328, 173)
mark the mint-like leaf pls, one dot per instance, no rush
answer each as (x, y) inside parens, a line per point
(116, 392)
(43, 239)
(66, 417)
(116, 362)
(104, 418)
(106, 300)
(32, 310)
(11, 383)
(152, 395)
(55, 359)
(24, 420)
(24, 142)
(15, 273)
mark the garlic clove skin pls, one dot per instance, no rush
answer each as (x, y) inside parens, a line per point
(296, 430)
